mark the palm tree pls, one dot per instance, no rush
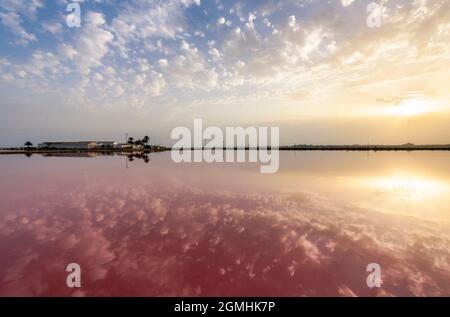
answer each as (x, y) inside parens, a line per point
(130, 140)
(28, 144)
(146, 139)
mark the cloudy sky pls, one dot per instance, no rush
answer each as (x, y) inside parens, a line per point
(313, 68)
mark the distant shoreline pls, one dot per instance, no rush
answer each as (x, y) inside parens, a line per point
(366, 148)
(375, 148)
(69, 151)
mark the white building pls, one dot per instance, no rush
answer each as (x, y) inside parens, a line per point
(127, 146)
(106, 144)
(79, 145)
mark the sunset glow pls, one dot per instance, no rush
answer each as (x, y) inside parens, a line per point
(411, 107)
(408, 187)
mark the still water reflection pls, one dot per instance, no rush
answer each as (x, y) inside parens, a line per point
(162, 228)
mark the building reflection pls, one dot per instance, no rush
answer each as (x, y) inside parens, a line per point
(131, 156)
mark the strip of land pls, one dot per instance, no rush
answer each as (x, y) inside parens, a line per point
(375, 148)
(355, 147)
(403, 147)
(71, 151)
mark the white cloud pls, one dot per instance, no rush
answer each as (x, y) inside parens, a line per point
(98, 77)
(292, 22)
(163, 62)
(188, 3)
(12, 17)
(13, 22)
(23, 7)
(346, 3)
(67, 51)
(156, 84)
(54, 28)
(95, 18)
(190, 70)
(215, 53)
(93, 43)
(160, 19)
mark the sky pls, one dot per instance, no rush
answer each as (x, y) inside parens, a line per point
(319, 70)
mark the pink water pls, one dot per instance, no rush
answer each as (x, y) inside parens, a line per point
(198, 229)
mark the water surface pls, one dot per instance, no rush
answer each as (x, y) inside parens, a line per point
(198, 229)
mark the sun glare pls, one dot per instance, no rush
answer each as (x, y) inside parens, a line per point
(410, 107)
(412, 188)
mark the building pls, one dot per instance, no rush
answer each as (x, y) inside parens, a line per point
(88, 145)
(78, 145)
(71, 154)
(126, 146)
(106, 144)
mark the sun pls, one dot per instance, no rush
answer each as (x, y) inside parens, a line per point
(410, 107)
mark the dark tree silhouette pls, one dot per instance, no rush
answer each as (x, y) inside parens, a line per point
(28, 144)
(143, 142)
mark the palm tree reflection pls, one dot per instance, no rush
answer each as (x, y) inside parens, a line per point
(139, 156)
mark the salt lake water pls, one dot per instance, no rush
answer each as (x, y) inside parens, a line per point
(159, 228)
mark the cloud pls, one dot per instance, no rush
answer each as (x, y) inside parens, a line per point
(13, 22)
(12, 17)
(23, 7)
(67, 52)
(54, 28)
(188, 3)
(93, 43)
(244, 54)
(346, 3)
(189, 69)
(159, 19)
